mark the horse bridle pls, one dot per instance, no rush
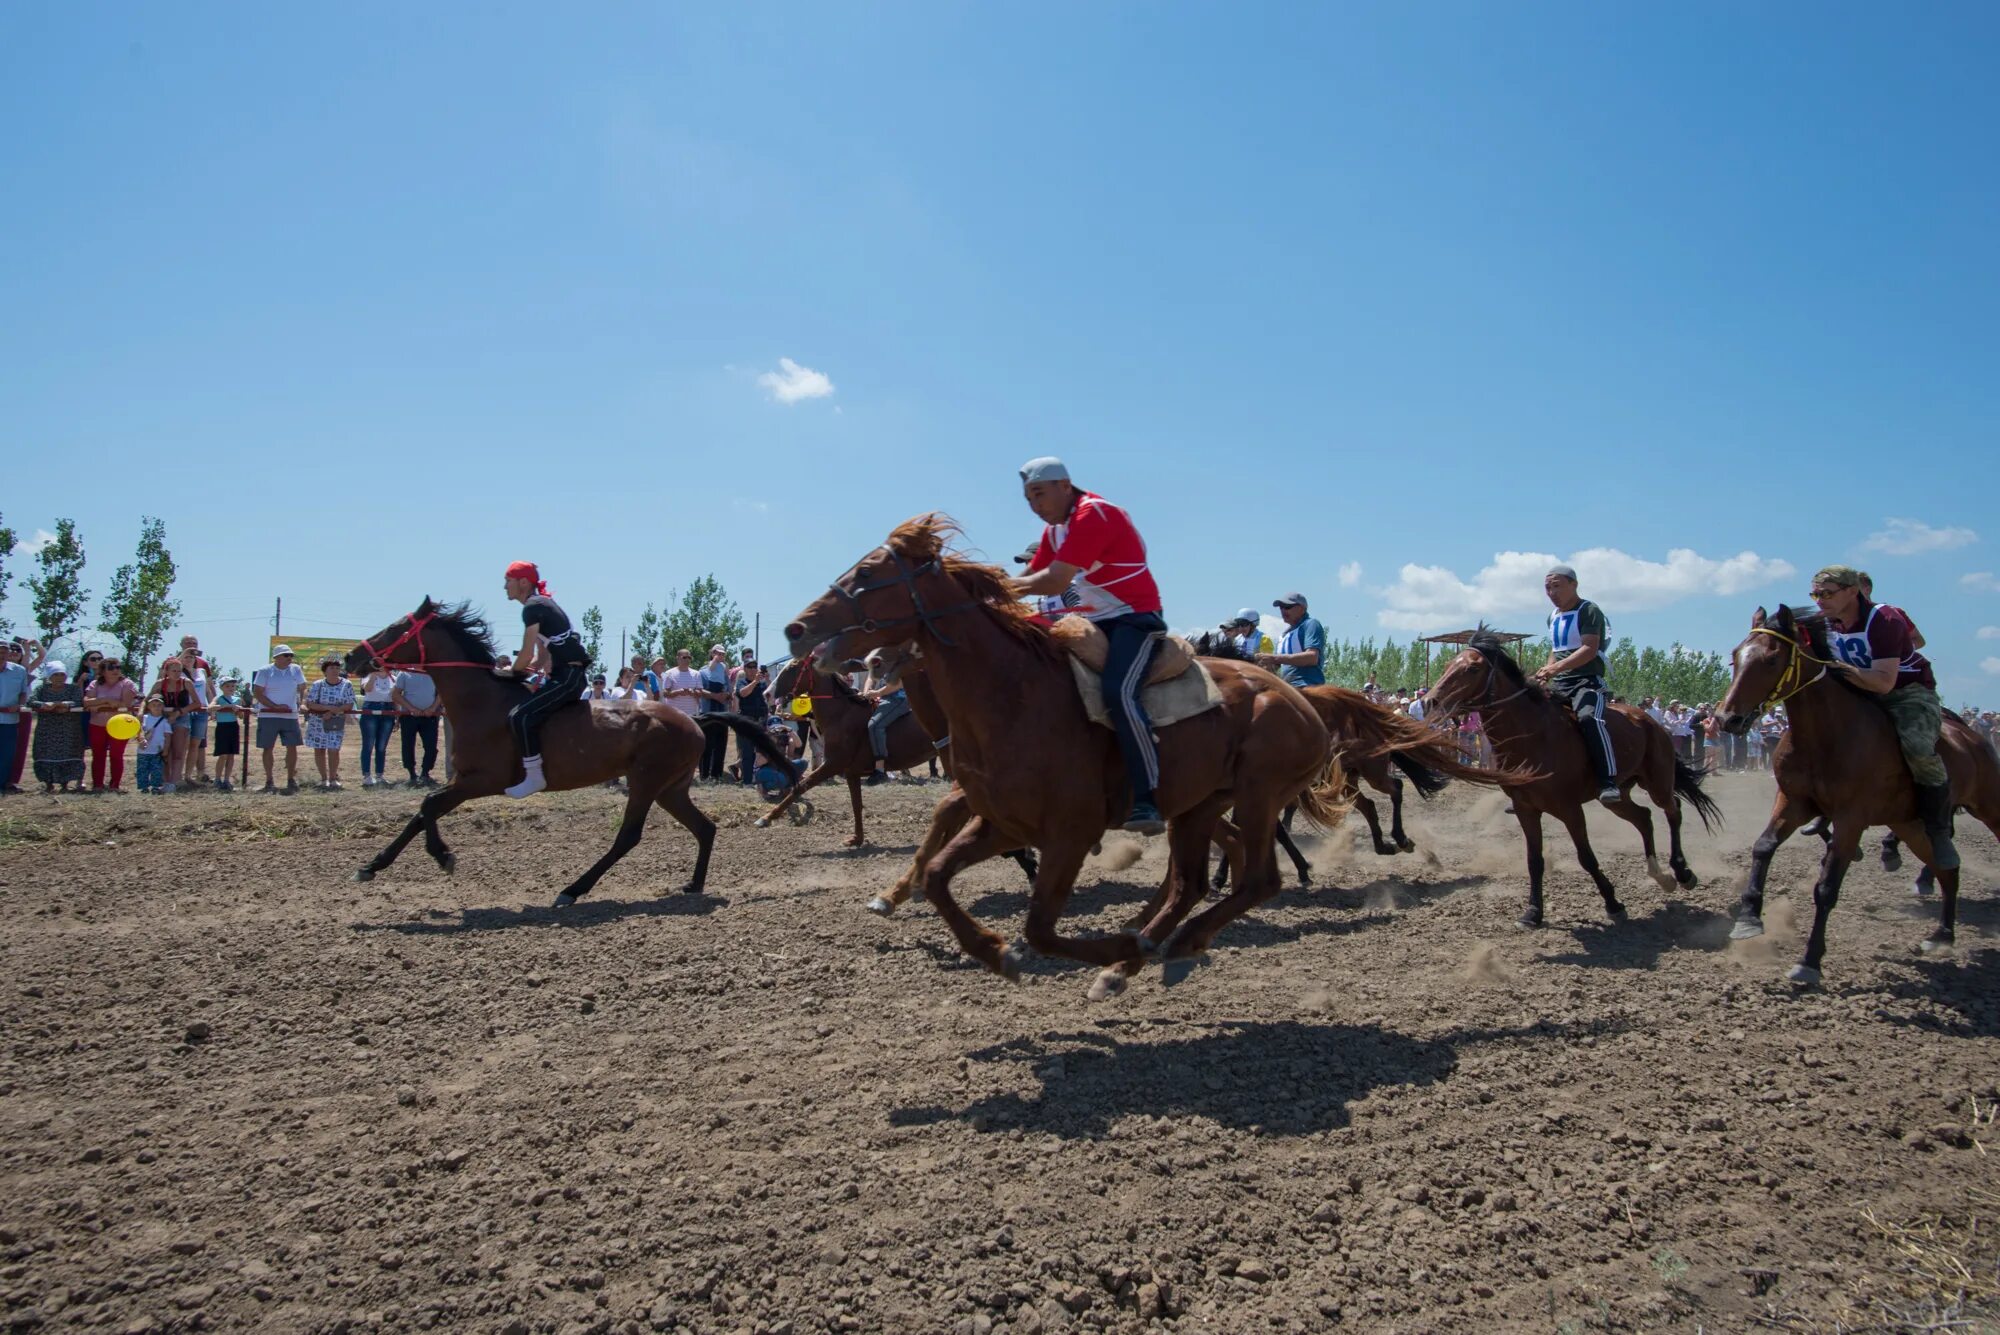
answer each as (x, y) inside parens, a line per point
(415, 632)
(1794, 670)
(1484, 703)
(906, 578)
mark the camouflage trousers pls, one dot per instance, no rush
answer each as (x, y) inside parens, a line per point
(1918, 715)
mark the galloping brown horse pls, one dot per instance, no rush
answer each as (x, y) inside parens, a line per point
(1840, 759)
(1531, 732)
(841, 716)
(654, 747)
(1037, 773)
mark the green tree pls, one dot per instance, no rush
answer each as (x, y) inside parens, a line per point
(592, 626)
(58, 589)
(6, 576)
(703, 615)
(646, 635)
(139, 606)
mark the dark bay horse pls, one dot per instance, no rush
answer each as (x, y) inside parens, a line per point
(654, 747)
(1840, 759)
(1531, 732)
(1037, 773)
(841, 716)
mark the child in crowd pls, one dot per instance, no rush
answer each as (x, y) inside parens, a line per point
(230, 710)
(328, 703)
(156, 734)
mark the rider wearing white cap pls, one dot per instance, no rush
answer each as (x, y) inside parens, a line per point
(1575, 672)
(1092, 557)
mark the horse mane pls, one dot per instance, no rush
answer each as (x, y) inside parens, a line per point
(924, 538)
(1215, 644)
(1494, 650)
(468, 628)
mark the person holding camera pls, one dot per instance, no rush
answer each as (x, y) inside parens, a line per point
(752, 680)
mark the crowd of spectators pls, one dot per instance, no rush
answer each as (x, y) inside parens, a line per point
(186, 721)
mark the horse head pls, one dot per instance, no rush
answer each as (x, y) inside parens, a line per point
(1763, 668)
(395, 645)
(905, 588)
(887, 665)
(1217, 643)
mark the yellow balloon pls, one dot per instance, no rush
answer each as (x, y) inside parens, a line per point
(124, 727)
(801, 706)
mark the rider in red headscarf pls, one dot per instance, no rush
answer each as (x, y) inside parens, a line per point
(551, 645)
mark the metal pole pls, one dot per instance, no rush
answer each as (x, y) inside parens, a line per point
(757, 636)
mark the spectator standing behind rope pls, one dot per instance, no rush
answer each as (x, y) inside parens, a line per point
(176, 693)
(112, 693)
(156, 733)
(378, 703)
(194, 767)
(715, 699)
(328, 703)
(14, 689)
(276, 690)
(228, 711)
(751, 681)
(680, 686)
(59, 726)
(416, 699)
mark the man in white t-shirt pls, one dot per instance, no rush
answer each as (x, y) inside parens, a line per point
(277, 689)
(1417, 705)
(680, 685)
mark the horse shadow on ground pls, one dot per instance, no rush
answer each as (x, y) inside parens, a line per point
(1959, 997)
(583, 913)
(867, 850)
(1638, 943)
(1334, 910)
(1282, 1078)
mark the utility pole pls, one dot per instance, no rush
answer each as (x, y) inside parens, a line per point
(278, 620)
(757, 637)
(621, 648)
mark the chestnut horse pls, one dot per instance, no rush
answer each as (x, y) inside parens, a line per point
(1531, 732)
(841, 716)
(1840, 759)
(1037, 773)
(655, 747)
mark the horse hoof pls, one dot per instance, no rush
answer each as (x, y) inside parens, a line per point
(1010, 964)
(1747, 929)
(1177, 971)
(1305, 882)
(1688, 880)
(1147, 946)
(1804, 975)
(1385, 850)
(1892, 860)
(1934, 945)
(1921, 888)
(1106, 985)
(449, 862)
(691, 888)
(1615, 912)
(565, 899)
(881, 907)
(365, 874)
(1406, 846)
(1532, 918)
(762, 822)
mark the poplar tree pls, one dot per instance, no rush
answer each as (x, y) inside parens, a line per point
(139, 605)
(58, 590)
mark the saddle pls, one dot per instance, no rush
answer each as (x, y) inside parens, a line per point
(1088, 645)
(1176, 688)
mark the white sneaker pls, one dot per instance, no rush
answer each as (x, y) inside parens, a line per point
(532, 781)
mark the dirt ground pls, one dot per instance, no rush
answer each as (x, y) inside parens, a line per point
(240, 1090)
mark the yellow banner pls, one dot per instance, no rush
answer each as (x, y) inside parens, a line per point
(312, 650)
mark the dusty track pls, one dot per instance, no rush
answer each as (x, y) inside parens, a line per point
(239, 1090)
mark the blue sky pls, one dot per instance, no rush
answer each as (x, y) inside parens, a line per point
(1349, 299)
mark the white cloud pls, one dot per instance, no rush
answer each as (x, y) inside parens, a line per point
(1434, 598)
(1990, 665)
(1982, 581)
(1907, 537)
(792, 382)
(33, 546)
(1350, 574)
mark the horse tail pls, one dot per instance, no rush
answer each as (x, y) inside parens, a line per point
(1320, 803)
(1687, 783)
(760, 741)
(1427, 781)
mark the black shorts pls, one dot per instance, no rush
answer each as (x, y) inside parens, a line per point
(227, 741)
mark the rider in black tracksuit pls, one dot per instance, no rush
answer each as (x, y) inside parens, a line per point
(548, 630)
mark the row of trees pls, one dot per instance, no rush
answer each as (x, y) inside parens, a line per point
(696, 617)
(137, 609)
(1673, 673)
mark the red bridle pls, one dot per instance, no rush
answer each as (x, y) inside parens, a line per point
(415, 632)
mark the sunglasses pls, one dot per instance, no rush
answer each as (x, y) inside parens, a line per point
(1821, 595)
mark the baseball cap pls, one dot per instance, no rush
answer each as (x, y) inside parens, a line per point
(1290, 600)
(1245, 616)
(1048, 468)
(1567, 572)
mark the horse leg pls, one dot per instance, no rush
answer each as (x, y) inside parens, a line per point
(1676, 860)
(1832, 871)
(1396, 814)
(1053, 884)
(1786, 816)
(1641, 819)
(854, 794)
(1579, 834)
(1366, 806)
(976, 842)
(816, 776)
(439, 803)
(1260, 882)
(1914, 835)
(677, 802)
(1299, 863)
(947, 819)
(1892, 856)
(1184, 887)
(1531, 835)
(638, 802)
(1230, 840)
(1025, 858)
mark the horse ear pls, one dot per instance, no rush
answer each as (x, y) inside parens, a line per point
(1785, 618)
(1757, 620)
(426, 607)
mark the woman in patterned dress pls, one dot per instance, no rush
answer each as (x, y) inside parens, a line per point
(59, 725)
(328, 702)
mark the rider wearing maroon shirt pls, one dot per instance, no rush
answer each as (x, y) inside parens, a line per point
(1875, 648)
(1092, 557)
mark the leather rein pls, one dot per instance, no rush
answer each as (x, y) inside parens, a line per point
(906, 578)
(1795, 670)
(423, 663)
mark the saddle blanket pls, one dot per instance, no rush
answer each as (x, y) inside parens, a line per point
(1082, 640)
(1166, 703)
